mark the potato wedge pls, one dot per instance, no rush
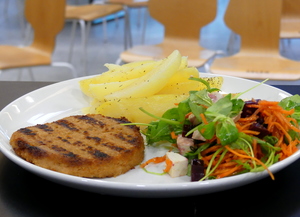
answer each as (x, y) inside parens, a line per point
(183, 75)
(181, 88)
(153, 85)
(99, 91)
(119, 74)
(129, 107)
(153, 81)
(180, 83)
(184, 62)
(185, 86)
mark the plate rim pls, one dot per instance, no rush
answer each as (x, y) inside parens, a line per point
(151, 189)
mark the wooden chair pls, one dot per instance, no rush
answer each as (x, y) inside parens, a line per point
(258, 24)
(84, 15)
(290, 19)
(129, 4)
(183, 21)
(47, 19)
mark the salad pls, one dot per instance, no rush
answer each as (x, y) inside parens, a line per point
(212, 135)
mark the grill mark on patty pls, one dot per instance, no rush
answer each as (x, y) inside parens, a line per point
(44, 127)
(98, 142)
(123, 120)
(33, 150)
(63, 139)
(27, 132)
(66, 124)
(91, 120)
(69, 156)
(131, 140)
(113, 147)
(97, 153)
(94, 138)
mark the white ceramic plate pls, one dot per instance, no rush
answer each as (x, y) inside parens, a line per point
(65, 98)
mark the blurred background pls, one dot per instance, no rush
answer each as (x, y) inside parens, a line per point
(106, 47)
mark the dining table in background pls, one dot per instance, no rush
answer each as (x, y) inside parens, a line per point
(23, 194)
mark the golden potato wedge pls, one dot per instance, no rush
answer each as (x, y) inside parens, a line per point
(184, 75)
(118, 74)
(182, 88)
(112, 67)
(185, 86)
(99, 91)
(154, 85)
(153, 81)
(184, 62)
(129, 107)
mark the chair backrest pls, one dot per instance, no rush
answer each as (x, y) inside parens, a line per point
(47, 18)
(183, 18)
(257, 22)
(291, 9)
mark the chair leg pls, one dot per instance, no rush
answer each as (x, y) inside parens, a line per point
(21, 73)
(84, 36)
(6, 2)
(144, 26)
(28, 34)
(207, 68)
(127, 31)
(231, 41)
(119, 61)
(117, 20)
(22, 20)
(73, 31)
(67, 65)
(31, 74)
(104, 27)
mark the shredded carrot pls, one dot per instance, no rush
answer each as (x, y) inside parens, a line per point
(228, 172)
(157, 160)
(204, 106)
(154, 160)
(279, 124)
(246, 126)
(280, 127)
(252, 158)
(188, 114)
(254, 145)
(210, 149)
(288, 150)
(251, 118)
(169, 165)
(204, 120)
(227, 164)
(251, 132)
(173, 135)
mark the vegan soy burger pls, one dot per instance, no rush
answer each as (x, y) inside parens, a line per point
(82, 145)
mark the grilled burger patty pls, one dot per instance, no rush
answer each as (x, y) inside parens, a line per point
(81, 145)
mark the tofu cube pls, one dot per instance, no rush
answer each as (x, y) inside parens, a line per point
(179, 164)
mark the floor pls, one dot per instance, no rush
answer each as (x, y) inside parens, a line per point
(100, 50)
